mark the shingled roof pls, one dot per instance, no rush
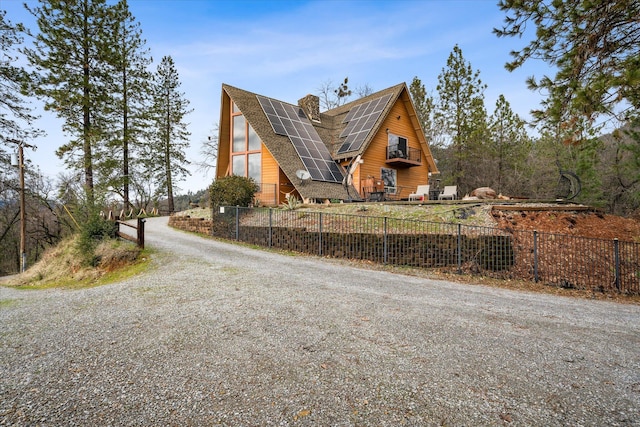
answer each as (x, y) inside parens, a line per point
(336, 117)
(329, 128)
(282, 149)
(397, 92)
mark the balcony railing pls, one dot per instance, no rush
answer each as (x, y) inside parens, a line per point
(404, 156)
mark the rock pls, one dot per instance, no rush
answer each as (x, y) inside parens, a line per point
(484, 193)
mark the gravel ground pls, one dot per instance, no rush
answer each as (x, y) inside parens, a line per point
(219, 334)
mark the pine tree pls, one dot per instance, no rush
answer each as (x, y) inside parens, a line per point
(17, 126)
(132, 97)
(620, 171)
(171, 138)
(425, 106)
(507, 149)
(593, 46)
(16, 117)
(72, 54)
(460, 110)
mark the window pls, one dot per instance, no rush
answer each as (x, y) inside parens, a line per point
(390, 179)
(246, 157)
(254, 160)
(239, 134)
(254, 140)
(397, 147)
(238, 165)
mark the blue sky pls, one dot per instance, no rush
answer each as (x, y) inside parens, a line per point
(287, 49)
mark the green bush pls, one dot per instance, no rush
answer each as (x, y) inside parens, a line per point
(233, 191)
(93, 231)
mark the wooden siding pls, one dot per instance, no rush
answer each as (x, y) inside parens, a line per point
(270, 167)
(271, 175)
(224, 137)
(375, 157)
(284, 187)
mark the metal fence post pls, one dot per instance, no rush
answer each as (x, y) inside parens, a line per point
(270, 227)
(459, 248)
(237, 222)
(385, 244)
(616, 250)
(320, 233)
(535, 255)
(213, 219)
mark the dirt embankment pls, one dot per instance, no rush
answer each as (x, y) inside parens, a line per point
(584, 223)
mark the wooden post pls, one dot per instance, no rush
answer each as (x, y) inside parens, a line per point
(23, 223)
(141, 222)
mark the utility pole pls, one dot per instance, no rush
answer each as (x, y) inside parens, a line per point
(23, 223)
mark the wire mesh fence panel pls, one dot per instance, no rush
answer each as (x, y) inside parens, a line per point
(224, 223)
(629, 267)
(571, 262)
(485, 250)
(552, 259)
(294, 231)
(524, 257)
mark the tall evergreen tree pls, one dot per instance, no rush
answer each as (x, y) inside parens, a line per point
(71, 55)
(460, 109)
(424, 105)
(170, 137)
(132, 98)
(620, 171)
(593, 44)
(16, 116)
(17, 125)
(507, 148)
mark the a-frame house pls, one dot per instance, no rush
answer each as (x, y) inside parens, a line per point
(371, 148)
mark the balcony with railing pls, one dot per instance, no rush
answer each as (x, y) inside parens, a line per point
(403, 156)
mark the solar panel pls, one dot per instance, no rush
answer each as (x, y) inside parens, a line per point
(289, 120)
(360, 120)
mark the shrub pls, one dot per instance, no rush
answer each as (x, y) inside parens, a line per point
(292, 203)
(232, 191)
(94, 230)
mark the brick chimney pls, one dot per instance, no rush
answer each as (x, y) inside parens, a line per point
(310, 104)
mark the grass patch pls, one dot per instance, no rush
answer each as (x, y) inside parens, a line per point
(62, 266)
(7, 302)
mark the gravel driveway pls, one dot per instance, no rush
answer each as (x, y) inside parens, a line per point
(219, 334)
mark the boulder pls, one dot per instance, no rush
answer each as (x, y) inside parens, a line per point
(484, 193)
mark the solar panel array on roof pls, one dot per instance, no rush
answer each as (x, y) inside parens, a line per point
(361, 119)
(290, 120)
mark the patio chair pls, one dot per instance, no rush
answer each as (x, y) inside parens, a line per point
(422, 193)
(449, 192)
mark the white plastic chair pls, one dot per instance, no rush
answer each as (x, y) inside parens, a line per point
(422, 193)
(449, 192)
